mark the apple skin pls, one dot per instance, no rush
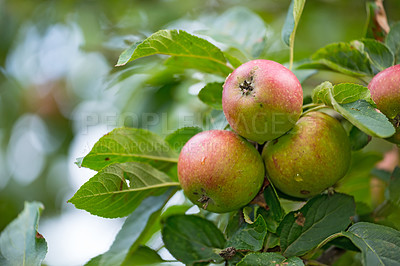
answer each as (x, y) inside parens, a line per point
(220, 171)
(385, 91)
(262, 100)
(310, 158)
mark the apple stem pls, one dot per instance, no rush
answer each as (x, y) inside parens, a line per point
(291, 56)
(310, 105)
(314, 109)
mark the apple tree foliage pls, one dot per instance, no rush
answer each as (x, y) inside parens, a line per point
(137, 169)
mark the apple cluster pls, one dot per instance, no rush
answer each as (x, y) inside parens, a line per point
(302, 155)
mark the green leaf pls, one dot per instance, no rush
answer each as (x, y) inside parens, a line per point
(344, 58)
(216, 120)
(211, 95)
(394, 187)
(171, 171)
(192, 239)
(393, 41)
(303, 74)
(240, 28)
(179, 138)
(379, 245)
(118, 189)
(350, 92)
(20, 243)
(341, 242)
(373, 29)
(175, 210)
(271, 241)
(269, 259)
(272, 200)
(120, 75)
(201, 64)
(387, 213)
(156, 226)
(313, 65)
(364, 57)
(353, 102)
(302, 230)
(364, 116)
(234, 260)
(292, 20)
(177, 43)
(379, 54)
(274, 215)
(158, 219)
(128, 238)
(249, 214)
(236, 220)
(143, 256)
(249, 236)
(128, 145)
(381, 174)
(127, 54)
(234, 61)
(393, 217)
(358, 139)
(321, 93)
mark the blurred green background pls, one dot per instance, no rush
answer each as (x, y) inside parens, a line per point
(60, 92)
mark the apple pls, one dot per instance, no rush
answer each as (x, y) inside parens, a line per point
(262, 100)
(220, 171)
(385, 91)
(310, 158)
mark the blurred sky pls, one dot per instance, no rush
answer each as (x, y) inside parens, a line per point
(60, 92)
